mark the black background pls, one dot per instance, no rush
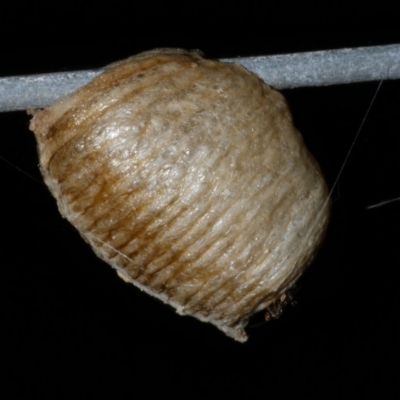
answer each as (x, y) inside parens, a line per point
(70, 328)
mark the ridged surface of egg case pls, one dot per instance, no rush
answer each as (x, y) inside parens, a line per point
(188, 177)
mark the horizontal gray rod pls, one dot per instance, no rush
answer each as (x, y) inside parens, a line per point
(319, 68)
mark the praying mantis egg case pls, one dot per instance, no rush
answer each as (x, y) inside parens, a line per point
(188, 177)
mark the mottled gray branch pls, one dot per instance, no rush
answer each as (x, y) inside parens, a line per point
(319, 68)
